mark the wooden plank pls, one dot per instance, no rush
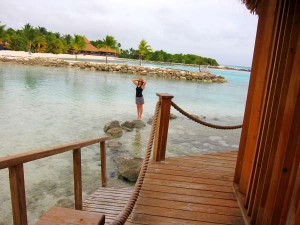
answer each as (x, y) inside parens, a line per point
(226, 158)
(77, 178)
(205, 160)
(205, 175)
(18, 198)
(289, 115)
(189, 199)
(161, 220)
(255, 109)
(70, 216)
(195, 180)
(201, 169)
(188, 215)
(188, 185)
(161, 133)
(103, 163)
(188, 192)
(9, 161)
(195, 207)
(201, 162)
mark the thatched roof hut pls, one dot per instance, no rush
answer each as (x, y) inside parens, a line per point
(91, 49)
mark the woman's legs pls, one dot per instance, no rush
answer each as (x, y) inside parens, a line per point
(137, 111)
(139, 108)
(141, 111)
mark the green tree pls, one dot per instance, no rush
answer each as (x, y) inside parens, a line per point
(29, 35)
(2, 31)
(109, 42)
(77, 44)
(144, 48)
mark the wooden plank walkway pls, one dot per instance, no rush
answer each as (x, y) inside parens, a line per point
(183, 190)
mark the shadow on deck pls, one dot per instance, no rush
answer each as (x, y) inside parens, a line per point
(182, 190)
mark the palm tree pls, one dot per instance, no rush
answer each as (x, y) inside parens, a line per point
(143, 49)
(77, 44)
(2, 30)
(109, 42)
(29, 35)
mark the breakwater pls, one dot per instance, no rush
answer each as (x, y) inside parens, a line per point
(204, 77)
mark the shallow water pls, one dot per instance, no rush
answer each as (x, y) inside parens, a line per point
(45, 107)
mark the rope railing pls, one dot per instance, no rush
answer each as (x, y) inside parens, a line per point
(123, 216)
(197, 120)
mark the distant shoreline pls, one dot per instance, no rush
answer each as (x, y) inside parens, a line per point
(22, 54)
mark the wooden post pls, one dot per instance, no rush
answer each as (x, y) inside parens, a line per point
(77, 178)
(18, 199)
(103, 163)
(161, 134)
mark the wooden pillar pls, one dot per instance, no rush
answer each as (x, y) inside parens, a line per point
(18, 198)
(161, 134)
(77, 178)
(103, 164)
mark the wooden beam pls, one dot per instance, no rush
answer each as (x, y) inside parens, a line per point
(9, 161)
(18, 198)
(103, 164)
(161, 134)
(77, 178)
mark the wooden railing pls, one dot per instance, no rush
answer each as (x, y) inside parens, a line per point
(161, 133)
(16, 173)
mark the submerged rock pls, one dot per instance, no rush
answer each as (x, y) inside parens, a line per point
(150, 120)
(115, 132)
(111, 124)
(172, 116)
(129, 125)
(129, 167)
(65, 202)
(114, 144)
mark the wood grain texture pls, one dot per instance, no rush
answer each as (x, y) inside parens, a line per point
(161, 134)
(103, 164)
(188, 195)
(64, 216)
(77, 178)
(8, 161)
(18, 198)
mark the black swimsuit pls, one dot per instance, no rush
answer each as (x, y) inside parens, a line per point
(139, 92)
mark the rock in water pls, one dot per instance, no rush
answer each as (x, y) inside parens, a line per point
(111, 124)
(138, 123)
(129, 168)
(115, 132)
(172, 116)
(129, 125)
(114, 144)
(150, 120)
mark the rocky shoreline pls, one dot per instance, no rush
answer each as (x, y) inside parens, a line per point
(204, 77)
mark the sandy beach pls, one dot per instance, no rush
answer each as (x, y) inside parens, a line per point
(22, 54)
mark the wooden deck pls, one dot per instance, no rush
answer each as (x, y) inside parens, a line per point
(184, 190)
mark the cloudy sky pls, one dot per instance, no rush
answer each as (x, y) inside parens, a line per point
(221, 29)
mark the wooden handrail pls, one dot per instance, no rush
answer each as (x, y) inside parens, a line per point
(161, 134)
(14, 160)
(16, 173)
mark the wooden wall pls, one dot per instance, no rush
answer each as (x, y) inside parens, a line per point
(267, 172)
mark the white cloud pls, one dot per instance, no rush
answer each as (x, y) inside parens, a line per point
(224, 30)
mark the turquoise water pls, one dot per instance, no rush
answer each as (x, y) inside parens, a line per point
(45, 107)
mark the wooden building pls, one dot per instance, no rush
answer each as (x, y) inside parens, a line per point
(267, 176)
(90, 49)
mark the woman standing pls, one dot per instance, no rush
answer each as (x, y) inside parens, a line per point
(139, 99)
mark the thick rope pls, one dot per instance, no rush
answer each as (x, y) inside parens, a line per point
(203, 122)
(122, 217)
